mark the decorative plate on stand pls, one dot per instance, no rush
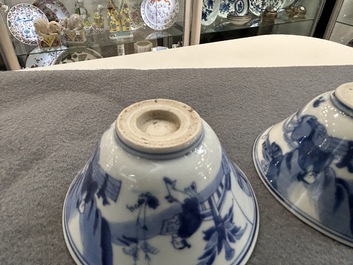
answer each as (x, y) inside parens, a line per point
(53, 9)
(210, 11)
(159, 14)
(225, 7)
(241, 7)
(77, 54)
(20, 20)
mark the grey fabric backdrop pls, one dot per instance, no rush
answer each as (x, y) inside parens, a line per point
(51, 121)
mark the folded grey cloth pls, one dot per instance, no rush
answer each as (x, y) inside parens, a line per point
(50, 122)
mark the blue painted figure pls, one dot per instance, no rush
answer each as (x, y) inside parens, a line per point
(312, 161)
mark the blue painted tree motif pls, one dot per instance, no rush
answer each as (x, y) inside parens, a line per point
(220, 236)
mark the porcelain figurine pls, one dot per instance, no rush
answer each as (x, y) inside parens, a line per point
(159, 189)
(98, 20)
(119, 20)
(74, 29)
(82, 11)
(306, 161)
(49, 33)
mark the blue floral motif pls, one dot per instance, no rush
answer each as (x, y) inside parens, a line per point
(221, 235)
(224, 7)
(207, 9)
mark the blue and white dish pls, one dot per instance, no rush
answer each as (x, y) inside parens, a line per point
(306, 161)
(166, 194)
(20, 21)
(238, 20)
(257, 7)
(40, 58)
(210, 11)
(225, 7)
(241, 7)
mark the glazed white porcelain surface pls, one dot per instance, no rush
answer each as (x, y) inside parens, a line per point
(39, 57)
(135, 203)
(210, 11)
(159, 14)
(306, 161)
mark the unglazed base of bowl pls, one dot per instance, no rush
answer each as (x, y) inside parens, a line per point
(301, 215)
(158, 126)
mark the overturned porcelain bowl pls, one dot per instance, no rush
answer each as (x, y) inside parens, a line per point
(306, 161)
(159, 189)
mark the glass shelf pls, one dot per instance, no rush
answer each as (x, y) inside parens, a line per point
(222, 29)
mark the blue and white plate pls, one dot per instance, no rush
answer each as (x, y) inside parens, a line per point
(241, 7)
(225, 7)
(210, 11)
(40, 58)
(257, 7)
(20, 19)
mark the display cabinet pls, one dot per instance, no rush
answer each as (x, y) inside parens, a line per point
(340, 26)
(46, 32)
(284, 21)
(91, 29)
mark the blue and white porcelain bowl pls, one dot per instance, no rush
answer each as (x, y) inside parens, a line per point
(306, 161)
(159, 189)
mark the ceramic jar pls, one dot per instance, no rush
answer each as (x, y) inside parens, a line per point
(159, 189)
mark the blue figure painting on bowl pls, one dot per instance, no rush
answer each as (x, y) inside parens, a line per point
(307, 168)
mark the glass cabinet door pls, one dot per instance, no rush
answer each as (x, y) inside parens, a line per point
(76, 30)
(47, 32)
(264, 17)
(340, 27)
